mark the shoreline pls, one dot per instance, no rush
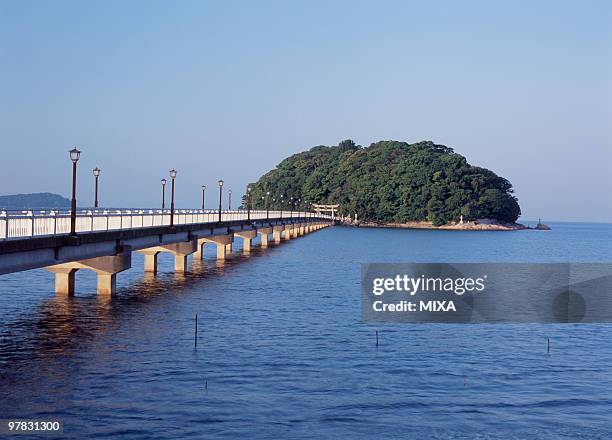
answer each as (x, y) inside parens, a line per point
(465, 226)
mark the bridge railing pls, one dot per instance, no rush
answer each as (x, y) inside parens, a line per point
(24, 224)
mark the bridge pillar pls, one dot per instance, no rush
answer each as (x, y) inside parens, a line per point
(276, 233)
(263, 233)
(180, 251)
(296, 230)
(150, 260)
(106, 268)
(288, 232)
(221, 241)
(64, 279)
(247, 237)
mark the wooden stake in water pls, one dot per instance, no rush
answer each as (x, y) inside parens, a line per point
(377, 338)
(548, 345)
(195, 336)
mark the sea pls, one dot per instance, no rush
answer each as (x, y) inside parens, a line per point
(281, 350)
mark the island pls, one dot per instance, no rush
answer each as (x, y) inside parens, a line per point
(43, 200)
(392, 184)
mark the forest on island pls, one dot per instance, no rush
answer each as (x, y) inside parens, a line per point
(389, 181)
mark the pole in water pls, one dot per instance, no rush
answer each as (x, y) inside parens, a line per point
(548, 345)
(377, 338)
(195, 336)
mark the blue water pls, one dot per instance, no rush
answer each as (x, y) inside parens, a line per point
(282, 351)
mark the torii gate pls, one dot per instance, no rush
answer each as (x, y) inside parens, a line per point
(324, 209)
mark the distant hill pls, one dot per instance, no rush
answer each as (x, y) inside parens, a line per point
(33, 201)
(391, 181)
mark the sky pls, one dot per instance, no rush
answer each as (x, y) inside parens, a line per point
(229, 89)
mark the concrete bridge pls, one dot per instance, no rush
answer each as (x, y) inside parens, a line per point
(106, 239)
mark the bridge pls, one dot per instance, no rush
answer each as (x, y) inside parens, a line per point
(105, 239)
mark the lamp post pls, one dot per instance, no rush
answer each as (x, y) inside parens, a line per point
(172, 176)
(267, 205)
(281, 206)
(74, 157)
(291, 206)
(220, 196)
(203, 191)
(96, 173)
(229, 204)
(248, 203)
(163, 181)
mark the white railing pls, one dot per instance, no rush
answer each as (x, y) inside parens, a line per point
(24, 224)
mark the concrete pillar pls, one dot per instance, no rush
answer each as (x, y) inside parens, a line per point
(288, 232)
(223, 242)
(276, 233)
(221, 250)
(228, 248)
(107, 283)
(64, 279)
(180, 251)
(247, 237)
(150, 261)
(296, 230)
(263, 234)
(106, 267)
(180, 263)
(199, 253)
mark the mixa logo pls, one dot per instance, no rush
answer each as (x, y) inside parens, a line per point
(437, 306)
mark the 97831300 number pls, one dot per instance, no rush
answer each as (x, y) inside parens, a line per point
(15, 426)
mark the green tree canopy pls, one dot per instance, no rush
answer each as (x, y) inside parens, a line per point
(391, 181)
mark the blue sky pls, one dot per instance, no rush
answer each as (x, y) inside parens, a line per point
(228, 89)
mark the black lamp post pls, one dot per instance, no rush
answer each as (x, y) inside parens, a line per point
(248, 203)
(267, 205)
(291, 206)
(220, 196)
(172, 176)
(229, 205)
(163, 181)
(96, 173)
(74, 157)
(281, 206)
(203, 191)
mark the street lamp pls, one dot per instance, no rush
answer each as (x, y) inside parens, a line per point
(203, 191)
(172, 176)
(229, 205)
(248, 203)
(163, 181)
(220, 195)
(74, 157)
(267, 205)
(281, 206)
(96, 173)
